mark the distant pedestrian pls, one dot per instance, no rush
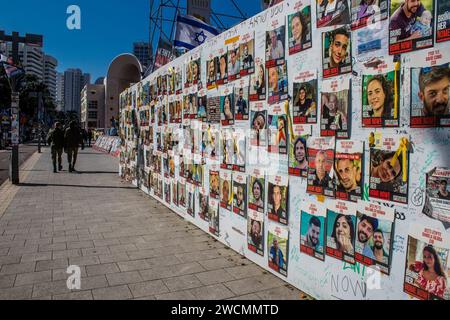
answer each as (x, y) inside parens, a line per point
(90, 135)
(73, 139)
(55, 139)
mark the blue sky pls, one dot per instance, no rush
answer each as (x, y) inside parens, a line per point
(108, 27)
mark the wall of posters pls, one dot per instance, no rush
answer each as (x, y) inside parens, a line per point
(309, 138)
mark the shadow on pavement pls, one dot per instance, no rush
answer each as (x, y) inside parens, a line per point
(71, 185)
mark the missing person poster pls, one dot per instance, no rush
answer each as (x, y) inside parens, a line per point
(299, 28)
(226, 191)
(255, 232)
(277, 83)
(320, 169)
(278, 247)
(227, 106)
(241, 101)
(430, 81)
(427, 263)
(214, 186)
(367, 12)
(374, 236)
(298, 156)
(277, 124)
(278, 198)
(275, 43)
(182, 192)
(305, 97)
(437, 195)
(411, 25)
(381, 93)
(336, 52)
(190, 188)
(335, 116)
(258, 82)
(174, 192)
(443, 21)
(258, 125)
(227, 143)
(222, 67)
(240, 149)
(349, 169)
(234, 61)
(211, 71)
(167, 190)
(202, 105)
(312, 229)
(240, 194)
(256, 191)
(211, 138)
(192, 70)
(341, 225)
(213, 216)
(214, 115)
(203, 206)
(247, 54)
(332, 12)
(389, 169)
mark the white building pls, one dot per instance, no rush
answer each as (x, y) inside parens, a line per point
(93, 106)
(74, 81)
(50, 64)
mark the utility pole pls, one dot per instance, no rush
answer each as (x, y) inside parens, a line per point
(15, 39)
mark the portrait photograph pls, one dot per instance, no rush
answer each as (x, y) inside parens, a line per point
(278, 248)
(255, 232)
(299, 30)
(336, 52)
(304, 104)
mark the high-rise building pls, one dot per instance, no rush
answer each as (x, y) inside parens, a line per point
(73, 80)
(60, 91)
(86, 79)
(143, 51)
(50, 64)
(93, 106)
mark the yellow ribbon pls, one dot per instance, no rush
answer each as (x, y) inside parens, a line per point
(402, 149)
(397, 68)
(290, 122)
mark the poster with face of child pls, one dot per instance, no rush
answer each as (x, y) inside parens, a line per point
(320, 166)
(214, 186)
(213, 216)
(443, 21)
(349, 168)
(247, 54)
(380, 93)
(411, 25)
(336, 52)
(256, 191)
(298, 157)
(341, 221)
(299, 28)
(437, 196)
(366, 12)
(335, 116)
(427, 263)
(278, 247)
(332, 12)
(389, 169)
(430, 82)
(312, 229)
(255, 232)
(278, 195)
(374, 236)
(258, 125)
(240, 194)
(305, 97)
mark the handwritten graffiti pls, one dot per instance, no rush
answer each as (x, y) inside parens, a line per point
(417, 197)
(345, 284)
(355, 268)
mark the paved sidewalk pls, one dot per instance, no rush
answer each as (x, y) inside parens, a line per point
(128, 245)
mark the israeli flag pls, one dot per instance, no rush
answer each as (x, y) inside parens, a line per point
(192, 32)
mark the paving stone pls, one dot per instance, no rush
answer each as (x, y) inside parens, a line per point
(112, 293)
(253, 284)
(32, 278)
(100, 269)
(16, 293)
(182, 282)
(246, 271)
(217, 263)
(133, 265)
(212, 292)
(175, 296)
(16, 268)
(50, 288)
(214, 276)
(7, 281)
(285, 292)
(52, 264)
(82, 295)
(148, 288)
(115, 279)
